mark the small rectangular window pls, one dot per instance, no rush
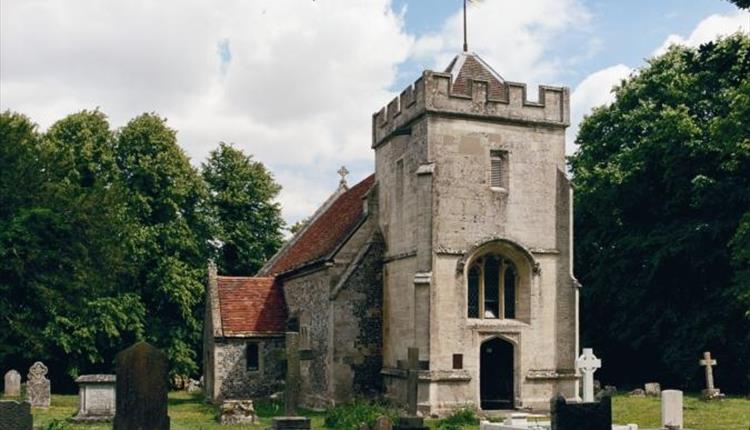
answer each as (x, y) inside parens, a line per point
(253, 357)
(458, 361)
(498, 169)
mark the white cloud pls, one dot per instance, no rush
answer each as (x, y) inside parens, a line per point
(298, 91)
(595, 90)
(709, 29)
(516, 38)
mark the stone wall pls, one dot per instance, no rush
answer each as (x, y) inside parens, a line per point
(358, 341)
(234, 381)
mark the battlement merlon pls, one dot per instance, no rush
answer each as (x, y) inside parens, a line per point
(432, 94)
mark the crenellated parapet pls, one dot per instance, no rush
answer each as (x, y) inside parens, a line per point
(432, 94)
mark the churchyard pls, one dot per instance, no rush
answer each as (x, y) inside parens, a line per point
(189, 412)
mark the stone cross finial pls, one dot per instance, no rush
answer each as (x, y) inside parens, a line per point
(708, 362)
(587, 364)
(343, 172)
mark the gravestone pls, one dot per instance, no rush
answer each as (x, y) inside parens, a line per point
(38, 386)
(292, 386)
(96, 398)
(15, 415)
(383, 423)
(711, 392)
(652, 389)
(587, 364)
(411, 421)
(581, 416)
(237, 412)
(12, 384)
(142, 387)
(671, 409)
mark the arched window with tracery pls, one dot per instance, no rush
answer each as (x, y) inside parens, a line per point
(492, 284)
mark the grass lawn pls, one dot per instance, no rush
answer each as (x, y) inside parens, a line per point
(189, 412)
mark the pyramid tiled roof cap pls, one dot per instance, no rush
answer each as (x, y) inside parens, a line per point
(468, 66)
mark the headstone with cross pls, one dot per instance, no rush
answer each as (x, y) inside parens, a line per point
(294, 355)
(411, 421)
(587, 364)
(710, 392)
(343, 172)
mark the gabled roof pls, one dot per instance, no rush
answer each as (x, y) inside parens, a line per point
(325, 232)
(250, 305)
(468, 66)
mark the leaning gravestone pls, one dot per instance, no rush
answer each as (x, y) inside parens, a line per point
(38, 386)
(142, 388)
(581, 416)
(96, 398)
(15, 415)
(12, 383)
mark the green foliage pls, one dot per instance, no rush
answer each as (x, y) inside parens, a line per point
(297, 226)
(742, 4)
(350, 416)
(459, 419)
(662, 181)
(57, 425)
(242, 193)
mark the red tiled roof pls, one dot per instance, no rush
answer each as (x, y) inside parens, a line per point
(250, 305)
(327, 231)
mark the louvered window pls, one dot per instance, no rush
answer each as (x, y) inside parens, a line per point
(498, 169)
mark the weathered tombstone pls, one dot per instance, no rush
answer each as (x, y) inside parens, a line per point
(96, 398)
(12, 383)
(587, 364)
(383, 423)
(38, 386)
(711, 392)
(652, 389)
(15, 415)
(237, 412)
(292, 386)
(581, 416)
(671, 409)
(411, 421)
(142, 388)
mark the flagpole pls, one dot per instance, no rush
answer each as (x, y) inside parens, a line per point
(466, 45)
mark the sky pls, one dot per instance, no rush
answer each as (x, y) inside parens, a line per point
(295, 82)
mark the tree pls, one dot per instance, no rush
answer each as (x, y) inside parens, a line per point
(742, 4)
(242, 193)
(662, 179)
(166, 196)
(62, 222)
(297, 226)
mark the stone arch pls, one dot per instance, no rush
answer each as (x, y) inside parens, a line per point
(519, 251)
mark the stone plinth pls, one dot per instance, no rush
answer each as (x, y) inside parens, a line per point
(96, 398)
(15, 415)
(296, 423)
(671, 409)
(237, 412)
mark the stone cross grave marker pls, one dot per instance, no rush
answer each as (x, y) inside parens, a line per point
(587, 364)
(292, 386)
(38, 386)
(710, 392)
(141, 389)
(12, 383)
(411, 421)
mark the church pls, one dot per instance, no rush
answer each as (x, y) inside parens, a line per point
(459, 244)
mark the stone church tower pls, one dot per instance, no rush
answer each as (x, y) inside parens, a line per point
(475, 212)
(459, 245)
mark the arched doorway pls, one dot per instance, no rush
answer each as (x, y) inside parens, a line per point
(496, 374)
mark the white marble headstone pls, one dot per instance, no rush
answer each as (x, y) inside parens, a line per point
(671, 409)
(12, 383)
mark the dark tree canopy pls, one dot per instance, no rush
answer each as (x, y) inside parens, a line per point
(743, 4)
(242, 193)
(662, 217)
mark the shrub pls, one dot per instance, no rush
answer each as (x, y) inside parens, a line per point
(350, 416)
(57, 425)
(459, 419)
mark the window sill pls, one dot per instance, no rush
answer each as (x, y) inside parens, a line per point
(499, 190)
(495, 323)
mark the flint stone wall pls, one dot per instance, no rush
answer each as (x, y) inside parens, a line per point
(233, 379)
